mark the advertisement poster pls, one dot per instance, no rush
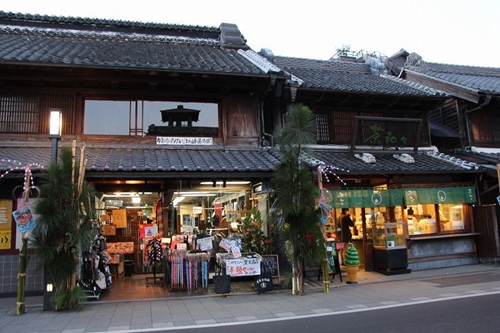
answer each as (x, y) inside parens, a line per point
(119, 218)
(5, 224)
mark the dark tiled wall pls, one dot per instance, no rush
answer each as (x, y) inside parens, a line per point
(9, 268)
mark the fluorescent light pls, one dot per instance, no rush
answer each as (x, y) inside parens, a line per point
(195, 194)
(227, 183)
(177, 200)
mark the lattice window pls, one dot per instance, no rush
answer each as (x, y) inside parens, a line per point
(19, 114)
(29, 112)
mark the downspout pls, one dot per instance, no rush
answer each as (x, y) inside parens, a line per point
(485, 103)
(261, 111)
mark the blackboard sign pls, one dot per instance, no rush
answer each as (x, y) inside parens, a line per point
(270, 264)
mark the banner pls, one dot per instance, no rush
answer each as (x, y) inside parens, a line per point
(370, 198)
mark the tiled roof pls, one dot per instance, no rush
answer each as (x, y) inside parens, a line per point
(481, 79)
(153, 161)
(150, 159)
(346, 76)
(91, 43)
(425, 163)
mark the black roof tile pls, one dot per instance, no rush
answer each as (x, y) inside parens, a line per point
(347, 76)
(348, 163)
(154, 159)
(482, 79)
(119, 44)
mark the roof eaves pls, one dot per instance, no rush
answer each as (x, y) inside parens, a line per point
(470, 90)
(418, 86)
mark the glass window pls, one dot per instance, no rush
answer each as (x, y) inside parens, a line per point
(432, 219)
(134, 117)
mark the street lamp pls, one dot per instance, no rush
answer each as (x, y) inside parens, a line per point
(54, 135)
(55, 131)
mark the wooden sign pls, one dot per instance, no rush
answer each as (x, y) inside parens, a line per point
(270, 263)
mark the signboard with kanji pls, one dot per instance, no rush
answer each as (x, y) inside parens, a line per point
(243, 266)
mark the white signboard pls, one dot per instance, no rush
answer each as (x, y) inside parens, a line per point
(243, 266)
(197, 210)
(175, 140)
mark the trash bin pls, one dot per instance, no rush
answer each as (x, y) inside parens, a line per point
(129, 267)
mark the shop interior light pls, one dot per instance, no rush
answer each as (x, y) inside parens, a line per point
(195, 194)
(120, 195)
(227, 183)
(177, 200)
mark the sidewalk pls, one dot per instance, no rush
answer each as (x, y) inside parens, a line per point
(373, 290)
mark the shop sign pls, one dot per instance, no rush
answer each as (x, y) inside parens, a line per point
(368, 198)
(172, 140)
(243, 266)
(5, 239)
(119, 218)
(204, 244)
(5, 224)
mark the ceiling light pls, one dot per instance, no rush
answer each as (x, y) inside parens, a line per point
(227, 183)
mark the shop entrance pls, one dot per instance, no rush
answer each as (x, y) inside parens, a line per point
(131, 223)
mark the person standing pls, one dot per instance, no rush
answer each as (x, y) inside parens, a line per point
(345, 232)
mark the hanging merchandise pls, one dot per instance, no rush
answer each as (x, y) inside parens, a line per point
(154, 256)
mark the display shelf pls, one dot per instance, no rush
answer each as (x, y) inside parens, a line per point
(389, 236)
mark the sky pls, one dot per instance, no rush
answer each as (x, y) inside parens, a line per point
(460, 32)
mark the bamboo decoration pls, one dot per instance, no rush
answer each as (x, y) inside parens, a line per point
(23, 257)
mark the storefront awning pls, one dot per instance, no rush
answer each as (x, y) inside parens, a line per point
(369, 198)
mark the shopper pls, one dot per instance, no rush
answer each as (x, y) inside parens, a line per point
(345, 232)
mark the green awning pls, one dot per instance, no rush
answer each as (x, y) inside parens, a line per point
(440, 195)
(369, 197)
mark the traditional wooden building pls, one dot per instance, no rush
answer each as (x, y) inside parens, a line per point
(116, 84)
(374, 153)
(466, 125)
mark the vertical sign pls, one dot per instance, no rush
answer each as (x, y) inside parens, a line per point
(5, 224)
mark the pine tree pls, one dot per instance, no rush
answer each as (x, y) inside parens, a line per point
(63, 226)
(300, 229)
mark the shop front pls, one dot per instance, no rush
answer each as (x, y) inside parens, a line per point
(173, 239)
(403, 228)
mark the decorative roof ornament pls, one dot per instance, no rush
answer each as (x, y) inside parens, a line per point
(454, 160)
(405, 158)
(413, 60)
(366, 157)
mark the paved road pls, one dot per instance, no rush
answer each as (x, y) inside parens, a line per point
(373, 292)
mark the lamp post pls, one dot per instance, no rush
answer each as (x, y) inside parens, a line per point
(54, 135)
(55, 131)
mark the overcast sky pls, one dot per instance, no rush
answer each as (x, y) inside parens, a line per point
(462, 32)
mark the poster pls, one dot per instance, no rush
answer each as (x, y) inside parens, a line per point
(119, 218)
(5, 224)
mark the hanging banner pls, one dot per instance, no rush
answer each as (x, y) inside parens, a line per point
(370, 198)
(396, 197)
(340, 199)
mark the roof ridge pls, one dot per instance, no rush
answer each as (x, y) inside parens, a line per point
(34, 18)
(107, 35)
